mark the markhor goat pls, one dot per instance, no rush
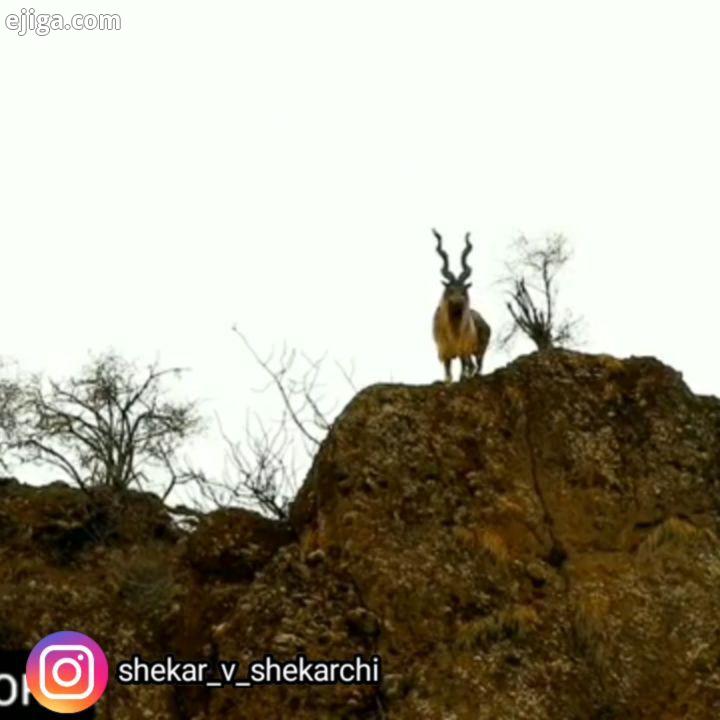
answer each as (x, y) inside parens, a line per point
(459, 331)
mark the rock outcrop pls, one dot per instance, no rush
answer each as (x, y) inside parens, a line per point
(538, 543)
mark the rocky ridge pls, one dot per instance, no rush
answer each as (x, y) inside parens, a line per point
(541, 542)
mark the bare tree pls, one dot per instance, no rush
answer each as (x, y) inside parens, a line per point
(113, 425)
(260, 471)
(10, 395)
(263, 470)
(533, 304)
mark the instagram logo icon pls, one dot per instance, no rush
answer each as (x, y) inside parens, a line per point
(67, 672)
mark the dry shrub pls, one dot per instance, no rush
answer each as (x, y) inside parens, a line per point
(145, 582)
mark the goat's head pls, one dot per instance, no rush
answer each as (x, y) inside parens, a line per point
(456, 288)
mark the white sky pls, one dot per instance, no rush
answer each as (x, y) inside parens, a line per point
(279, 165)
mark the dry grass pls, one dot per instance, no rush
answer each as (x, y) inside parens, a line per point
(590, 622)
(486, 541)
(674, 533)
(494, 545)
(517, 622)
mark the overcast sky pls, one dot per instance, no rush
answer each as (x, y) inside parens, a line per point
(279, 165)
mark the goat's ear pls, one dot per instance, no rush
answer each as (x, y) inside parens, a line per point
(468, 286)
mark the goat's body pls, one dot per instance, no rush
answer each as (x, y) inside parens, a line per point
(483, 332)
(455, 337)
(459, 331)
(464, 336)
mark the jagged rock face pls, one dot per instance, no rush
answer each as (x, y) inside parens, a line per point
(538, 543)
(234, 543)
(541, 543)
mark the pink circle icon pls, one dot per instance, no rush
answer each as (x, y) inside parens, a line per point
(67, 672)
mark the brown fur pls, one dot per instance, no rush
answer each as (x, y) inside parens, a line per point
(482, 329)
(465, 337)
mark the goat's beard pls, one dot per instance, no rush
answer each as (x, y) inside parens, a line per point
(455, 311)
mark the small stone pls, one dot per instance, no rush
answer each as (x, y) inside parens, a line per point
(316, 557)
(287, 640)
(218, 631)
(363, 622)
(394, 686)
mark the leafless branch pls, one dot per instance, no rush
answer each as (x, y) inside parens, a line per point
(532, 289)
(261, 469)
(277, 378)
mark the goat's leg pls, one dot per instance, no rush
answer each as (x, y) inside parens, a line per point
(478, 364)
(472, 370)
(448, 371)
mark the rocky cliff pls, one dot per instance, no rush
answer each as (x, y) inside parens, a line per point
(538, 543)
